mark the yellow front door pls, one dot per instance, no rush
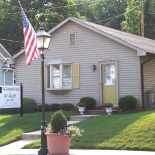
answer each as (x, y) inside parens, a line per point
(109, 83)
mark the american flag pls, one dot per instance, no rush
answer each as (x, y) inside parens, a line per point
(31, 50)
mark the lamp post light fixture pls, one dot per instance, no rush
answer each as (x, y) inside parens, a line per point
(43, 39)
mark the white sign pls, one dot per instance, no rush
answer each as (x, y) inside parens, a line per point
(10, 97)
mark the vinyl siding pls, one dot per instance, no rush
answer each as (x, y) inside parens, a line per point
(149, 78)
(9, 78)
(91, 48)
(28, 75)
(1, 73)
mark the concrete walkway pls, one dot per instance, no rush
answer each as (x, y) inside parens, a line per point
(14, 149)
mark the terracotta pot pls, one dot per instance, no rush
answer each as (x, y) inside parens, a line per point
(57, 144)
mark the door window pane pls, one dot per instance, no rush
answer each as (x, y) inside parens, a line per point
(67, 82)
(109, 75)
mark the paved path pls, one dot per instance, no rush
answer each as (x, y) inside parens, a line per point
(14, 149)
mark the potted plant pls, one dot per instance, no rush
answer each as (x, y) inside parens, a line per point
(59, 135)
(81, 107)
(108, 107)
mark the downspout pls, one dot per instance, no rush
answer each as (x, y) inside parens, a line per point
(142, 81)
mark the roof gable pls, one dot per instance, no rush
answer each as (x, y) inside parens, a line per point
(138, 43)
(130, 40)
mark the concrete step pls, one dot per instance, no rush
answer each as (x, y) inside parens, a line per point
(81, 117)
(73, 119)
(31, 135)
(69, 123)
(37, 134)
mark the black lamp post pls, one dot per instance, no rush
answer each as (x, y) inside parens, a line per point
(43, 39)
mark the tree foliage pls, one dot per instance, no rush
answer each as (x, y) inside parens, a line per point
(108, 12)
(37, 11)
(132, 18)
(132, 23)
(150, 19)
(51, 12)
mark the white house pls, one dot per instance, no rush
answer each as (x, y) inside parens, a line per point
(87, 59)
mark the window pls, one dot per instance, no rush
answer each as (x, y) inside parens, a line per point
(67, 76)
(72, 39)
(59, 76)
(56, 76)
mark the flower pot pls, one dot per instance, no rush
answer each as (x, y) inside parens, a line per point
(57, 144)
(81, 110)
(109, 110)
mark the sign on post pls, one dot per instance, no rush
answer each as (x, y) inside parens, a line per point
(10, 97)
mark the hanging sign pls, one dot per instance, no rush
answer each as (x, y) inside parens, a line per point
(10, 97)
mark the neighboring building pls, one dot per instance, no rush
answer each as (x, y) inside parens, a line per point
(86, 59)
(6, 70)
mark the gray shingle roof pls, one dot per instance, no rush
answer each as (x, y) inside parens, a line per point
(143, 43)
(4, 52)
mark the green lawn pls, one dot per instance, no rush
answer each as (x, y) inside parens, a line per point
(13, 126)
(120, 131)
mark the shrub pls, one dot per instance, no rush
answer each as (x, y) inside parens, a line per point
(81, 104)
(39, 108)
(9, 111)
(66, 106)
(128, 102)
(58, 121)
(90, 102)
(29, 105)
(107, 105)
(54, 107)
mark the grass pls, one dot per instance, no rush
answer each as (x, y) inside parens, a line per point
(121, 131)
(13, 126)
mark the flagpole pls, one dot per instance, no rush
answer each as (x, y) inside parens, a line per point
(33, 44)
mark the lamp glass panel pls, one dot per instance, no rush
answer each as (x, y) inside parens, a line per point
(43, 42)
(46, 42)
(40, 42)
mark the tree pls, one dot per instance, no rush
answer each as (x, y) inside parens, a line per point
(150, 19)
(132, 17)
(37, 11)
(132, 23)
(104, 12)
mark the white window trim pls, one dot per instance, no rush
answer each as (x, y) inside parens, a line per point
(61, 78)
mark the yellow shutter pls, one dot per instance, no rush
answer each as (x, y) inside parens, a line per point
(76, 75)
(40, 78)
